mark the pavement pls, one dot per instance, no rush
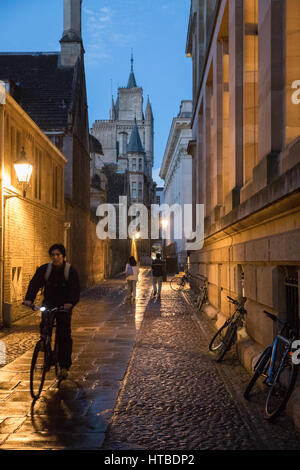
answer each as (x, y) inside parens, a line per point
(142, 378)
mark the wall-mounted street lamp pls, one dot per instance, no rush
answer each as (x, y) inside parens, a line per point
(23, 169)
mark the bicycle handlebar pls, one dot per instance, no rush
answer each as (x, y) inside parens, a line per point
(237, 302)
(40, 307)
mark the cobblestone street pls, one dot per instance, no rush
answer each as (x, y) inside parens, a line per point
(142, 378)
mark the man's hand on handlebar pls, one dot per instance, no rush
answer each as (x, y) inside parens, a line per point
(68, 307)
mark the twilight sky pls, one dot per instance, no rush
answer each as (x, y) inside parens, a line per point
(155, 29)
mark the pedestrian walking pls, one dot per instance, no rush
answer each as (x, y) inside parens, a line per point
(132, 276)
(60, 283)
(157, 275)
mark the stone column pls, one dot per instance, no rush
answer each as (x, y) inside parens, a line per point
(236, 78)
(207, 149)
(191, 149)
(271, 76)
(218, 125)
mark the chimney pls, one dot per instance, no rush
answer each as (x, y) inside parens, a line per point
(71, 41)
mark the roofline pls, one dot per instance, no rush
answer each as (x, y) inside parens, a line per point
(171, 138)
(12, 101)
(33, 53)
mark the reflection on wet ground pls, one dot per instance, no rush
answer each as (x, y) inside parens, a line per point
(75, 415)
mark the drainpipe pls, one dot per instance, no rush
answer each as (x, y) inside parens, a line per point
(2, 104)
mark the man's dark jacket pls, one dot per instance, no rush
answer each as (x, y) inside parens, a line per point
(157, 267)
(57, 291)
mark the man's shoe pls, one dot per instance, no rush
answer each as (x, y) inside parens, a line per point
(63, 374)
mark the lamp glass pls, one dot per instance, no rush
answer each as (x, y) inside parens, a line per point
(23, 171)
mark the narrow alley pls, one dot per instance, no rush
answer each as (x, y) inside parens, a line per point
(142, 378)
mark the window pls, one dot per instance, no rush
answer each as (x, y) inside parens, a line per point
(38, 174)
(133, 189)
(134, 164)
(55, 187)
(140, 164)
(140, 190)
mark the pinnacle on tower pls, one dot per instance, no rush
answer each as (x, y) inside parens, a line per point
(149, 114)
(131, 81)
(112, 110)
(135, 143)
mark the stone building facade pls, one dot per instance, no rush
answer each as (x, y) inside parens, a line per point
(127, 140)
(29, 224)
(176, 171)
(246, 158)
(51, 89)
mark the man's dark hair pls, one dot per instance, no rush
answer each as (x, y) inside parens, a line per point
(132, 261)
(59, 247)
(158, 255)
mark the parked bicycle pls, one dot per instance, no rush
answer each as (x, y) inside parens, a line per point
(203, 294)
(279, 372)
(179, 282)
(226, 336)
(44, 355)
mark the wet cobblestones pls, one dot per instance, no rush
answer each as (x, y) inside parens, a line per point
(175, 397)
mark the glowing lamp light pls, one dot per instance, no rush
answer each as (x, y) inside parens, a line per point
(23, 168)
(164, 223)
(137, 236)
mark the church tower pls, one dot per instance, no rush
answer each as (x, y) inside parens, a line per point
(127, 138)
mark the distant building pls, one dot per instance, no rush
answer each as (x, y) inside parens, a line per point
(159, 195)
(127, 140)
(176, 171)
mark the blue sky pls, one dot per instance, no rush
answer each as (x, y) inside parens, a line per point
(155, 29)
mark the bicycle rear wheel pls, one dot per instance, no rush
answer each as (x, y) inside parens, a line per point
(201, 299)
(260, 367)
(177, 283)
(228, 341)
(280, 390)
(218, 339)
(38, 369)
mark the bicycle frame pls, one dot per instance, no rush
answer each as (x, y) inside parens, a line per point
(273, 373)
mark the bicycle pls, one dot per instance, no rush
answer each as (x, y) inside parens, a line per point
(179, 282)
(226, 336)
(203, 295)
(43, 355)
(277, 368)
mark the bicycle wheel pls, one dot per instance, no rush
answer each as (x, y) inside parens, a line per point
(280, 390)
(38, 370)
(229, 339)
(201, 299)
(218, 339)
(260, 368)
(177, 283)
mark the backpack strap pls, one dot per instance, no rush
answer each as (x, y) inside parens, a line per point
(48, 272)
(67, 271)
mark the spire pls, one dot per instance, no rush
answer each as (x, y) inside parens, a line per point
(112, 110)
(135, 143)
(149, 114)
(131, 81)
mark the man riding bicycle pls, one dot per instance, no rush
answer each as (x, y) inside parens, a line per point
(61, 288)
